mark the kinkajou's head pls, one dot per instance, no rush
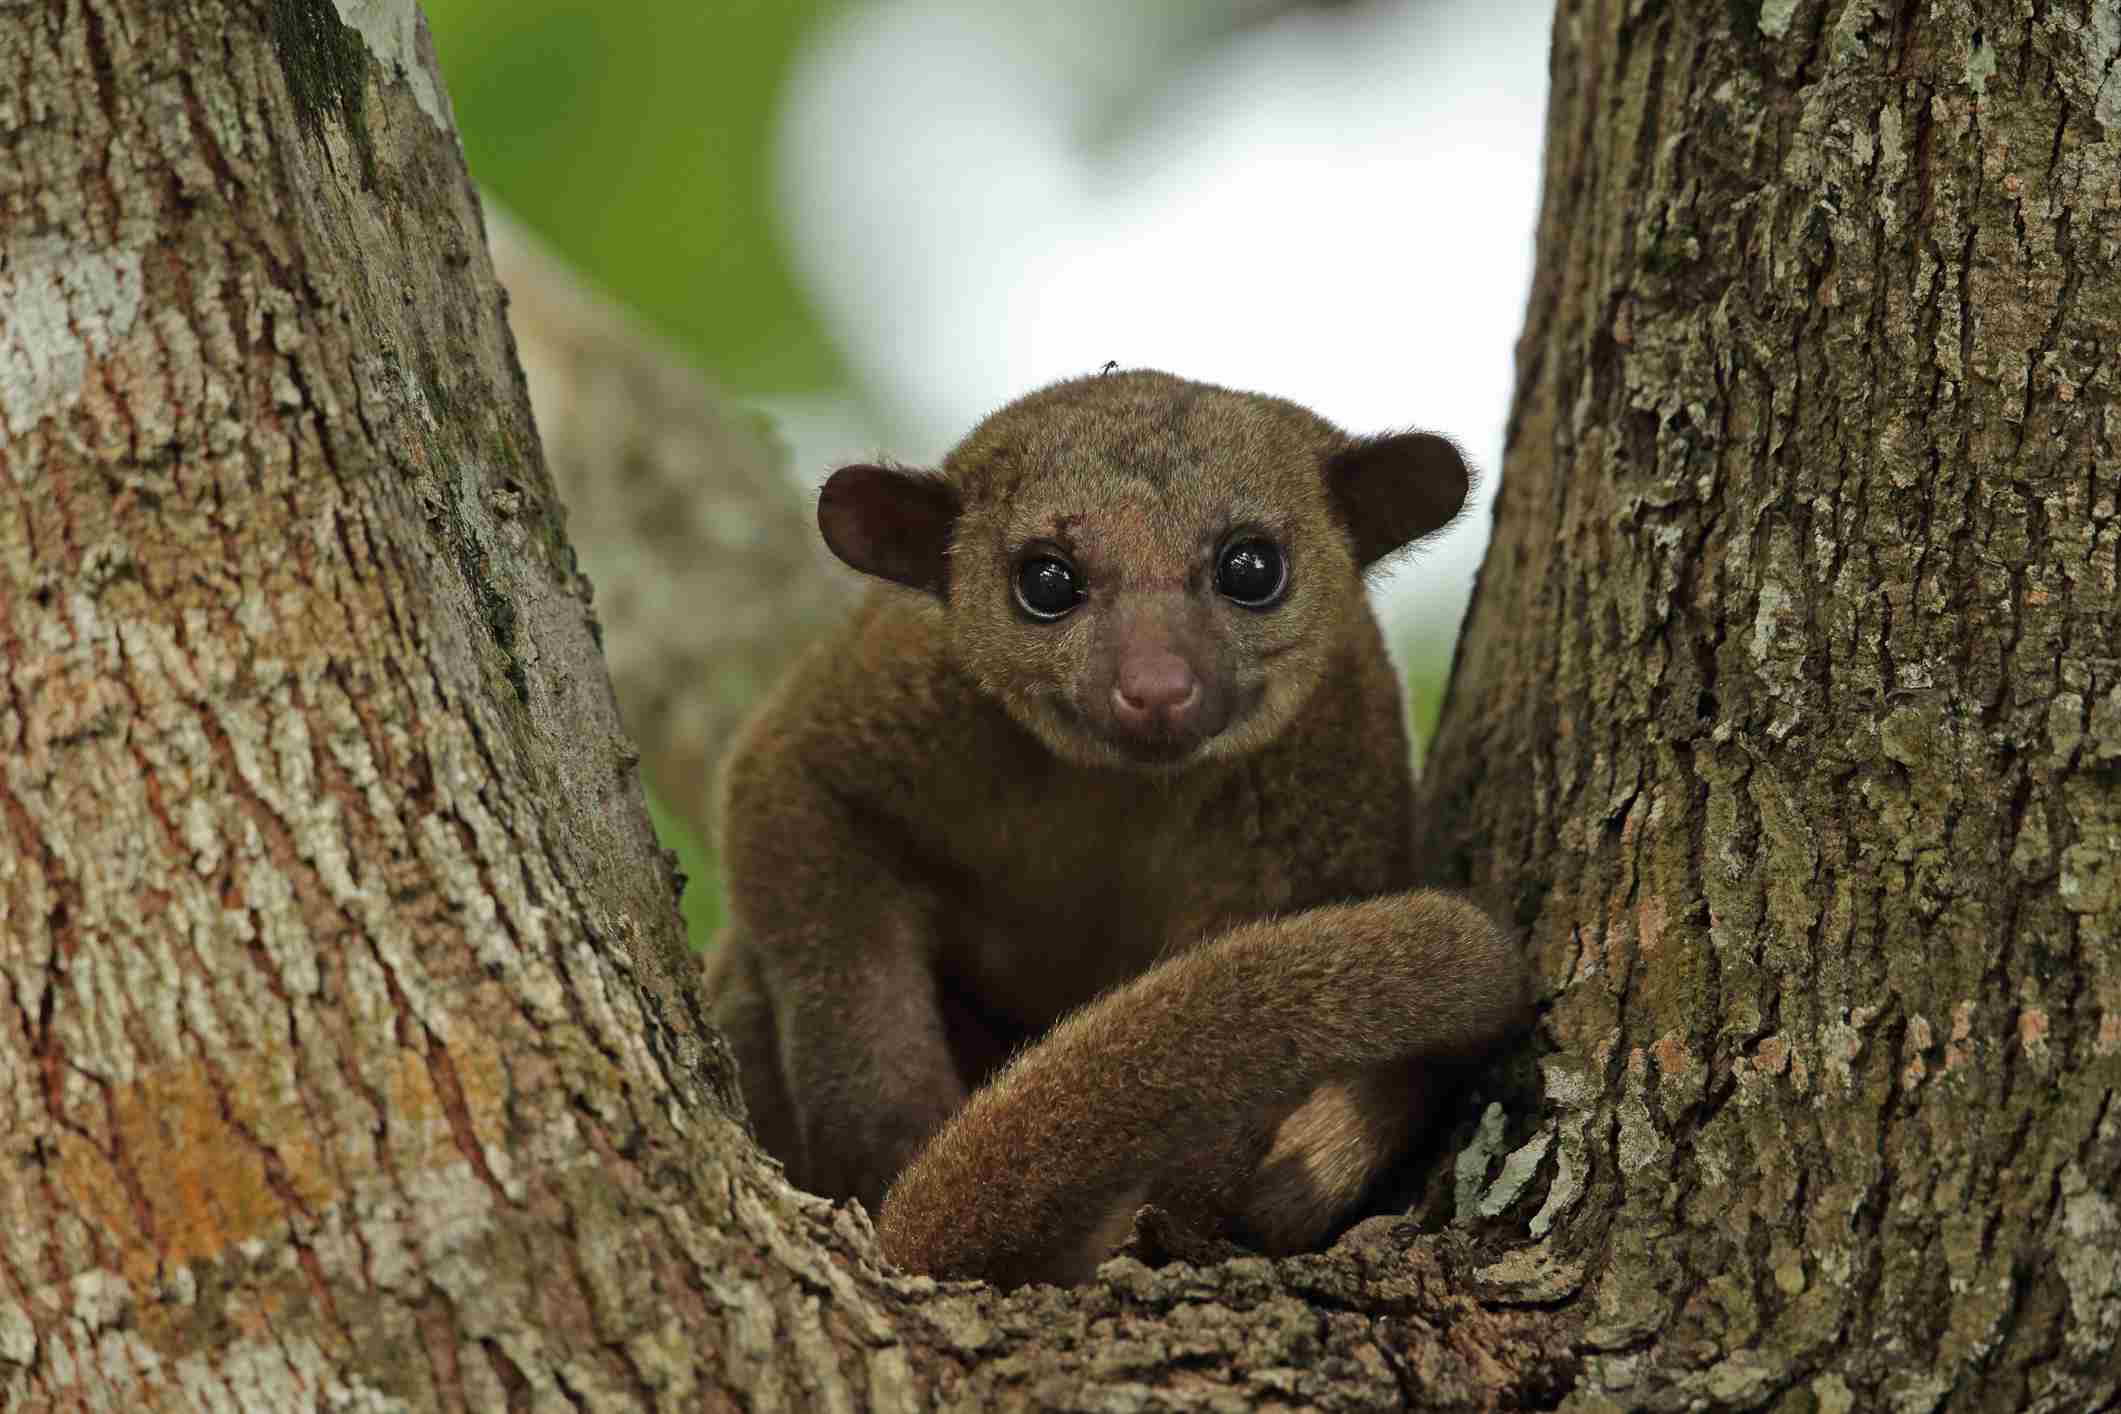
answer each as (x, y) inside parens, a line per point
(1145, 571)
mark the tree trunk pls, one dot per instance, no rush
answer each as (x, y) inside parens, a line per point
(1789, 711)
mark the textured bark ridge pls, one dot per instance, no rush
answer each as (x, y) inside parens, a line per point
(338, 1021)
(1790, 707)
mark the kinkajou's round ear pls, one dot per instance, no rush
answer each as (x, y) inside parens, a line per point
(890, 522)
(1390, 491)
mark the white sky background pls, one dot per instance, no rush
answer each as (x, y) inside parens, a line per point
(1336, 207)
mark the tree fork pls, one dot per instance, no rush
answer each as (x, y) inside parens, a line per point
(347, 1047)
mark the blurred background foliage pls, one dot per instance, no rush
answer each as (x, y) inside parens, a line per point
(878, 219)
(637, 139)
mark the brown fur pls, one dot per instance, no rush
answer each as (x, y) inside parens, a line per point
(943, 837)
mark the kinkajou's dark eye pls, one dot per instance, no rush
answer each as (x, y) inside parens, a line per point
(1252, 573)
(1047, 587)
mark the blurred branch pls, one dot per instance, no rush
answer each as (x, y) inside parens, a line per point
(708, 573)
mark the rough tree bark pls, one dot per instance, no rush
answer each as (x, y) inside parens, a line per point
(1789, 711)
(338, 962)
(348, 1053)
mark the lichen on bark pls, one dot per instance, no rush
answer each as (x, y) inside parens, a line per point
(1771, 710)
(328, 967)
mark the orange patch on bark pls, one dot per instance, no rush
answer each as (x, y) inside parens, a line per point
(1649, 924)
(443, 1130)
(184, 1173)
(480, 1071)
(177, 1180)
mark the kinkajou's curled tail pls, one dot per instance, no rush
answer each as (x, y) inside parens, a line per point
(1157, 1081)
